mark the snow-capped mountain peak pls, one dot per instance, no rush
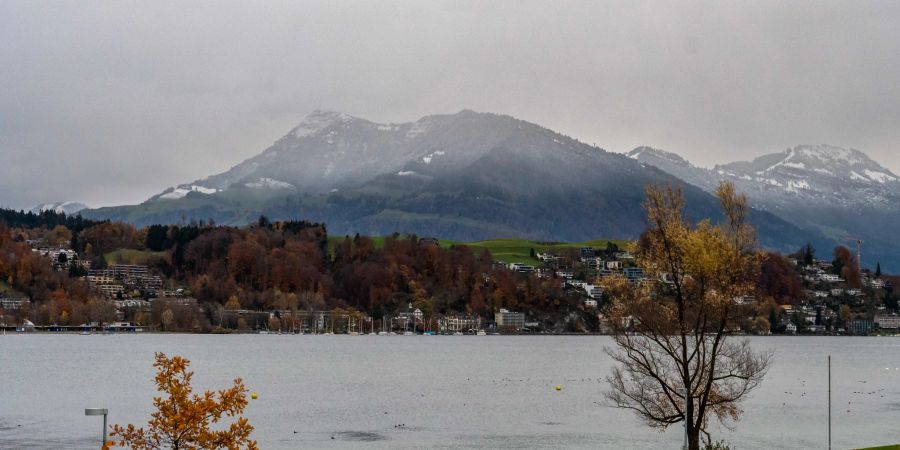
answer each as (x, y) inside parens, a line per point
(60, 207)
(815, 164)
(644, 153)
(317, 121)
(803, 177)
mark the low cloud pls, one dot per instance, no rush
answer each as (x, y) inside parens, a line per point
(111, 102)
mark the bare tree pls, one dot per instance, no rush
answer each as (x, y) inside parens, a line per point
(674, 359)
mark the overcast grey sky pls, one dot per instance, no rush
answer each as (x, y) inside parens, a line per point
(111, 102)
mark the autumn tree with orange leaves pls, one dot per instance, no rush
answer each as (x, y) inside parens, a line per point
(675, 359)
(184, 420)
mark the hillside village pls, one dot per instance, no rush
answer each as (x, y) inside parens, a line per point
(557, 288)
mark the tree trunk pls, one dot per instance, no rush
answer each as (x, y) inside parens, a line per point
(693, 430)
(694, 438)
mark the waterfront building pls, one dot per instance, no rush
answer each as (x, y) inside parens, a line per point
(509, 319)
(888, 321)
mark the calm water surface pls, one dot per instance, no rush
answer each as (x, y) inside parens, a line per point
(432, 391)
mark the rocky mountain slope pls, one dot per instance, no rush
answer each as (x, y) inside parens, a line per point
(841, 193)
(461, 176)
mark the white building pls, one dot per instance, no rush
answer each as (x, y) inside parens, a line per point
(521, 268)
(830, 278)
(567, 274)
(890, 322)
(593, 291)
(514, 320)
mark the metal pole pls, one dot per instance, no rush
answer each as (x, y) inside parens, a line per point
(683, 392)
(829, 402)
(99, 412)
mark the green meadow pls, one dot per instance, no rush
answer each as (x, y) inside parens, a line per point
(510, 250)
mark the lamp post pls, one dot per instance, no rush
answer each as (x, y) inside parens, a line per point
(683, 393)
(98, 412)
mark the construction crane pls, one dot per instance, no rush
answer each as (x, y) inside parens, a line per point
(859, 242)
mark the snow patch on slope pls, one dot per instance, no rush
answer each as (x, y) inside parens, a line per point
(182, 191)
(794, 185)
(427, 158)
(880, 177)
(317, 121)
(268, 183)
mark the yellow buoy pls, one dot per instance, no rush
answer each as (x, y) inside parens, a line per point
(253, 396)
(558, 387)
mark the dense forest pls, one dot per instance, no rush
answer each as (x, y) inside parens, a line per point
(277, 266)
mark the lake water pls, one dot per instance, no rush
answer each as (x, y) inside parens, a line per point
(324, 392)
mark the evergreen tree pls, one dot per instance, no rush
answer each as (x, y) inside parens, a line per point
(878, 270)
(156, 237)
(809, 254)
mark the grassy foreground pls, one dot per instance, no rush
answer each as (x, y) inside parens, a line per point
(885, 447)
(508, 250)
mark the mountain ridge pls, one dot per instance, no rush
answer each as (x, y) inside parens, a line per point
(465, 176)
(67, 207)
(841, 193)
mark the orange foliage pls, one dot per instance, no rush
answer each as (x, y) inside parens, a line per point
(183, 420)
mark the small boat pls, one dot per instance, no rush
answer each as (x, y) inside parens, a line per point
(408, 333)
(481, 333)
(382, 333)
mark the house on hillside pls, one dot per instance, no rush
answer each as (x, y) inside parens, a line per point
(12, 303)
(594, 292)
(547, 257)
(592, 263)
(830, 278)
(567, 274)
(521, 268)
(634, 274)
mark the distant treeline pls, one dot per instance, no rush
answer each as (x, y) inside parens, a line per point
(285, 265)
(44, 219)
(290, 266)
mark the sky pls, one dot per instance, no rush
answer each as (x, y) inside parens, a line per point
(110, 102)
